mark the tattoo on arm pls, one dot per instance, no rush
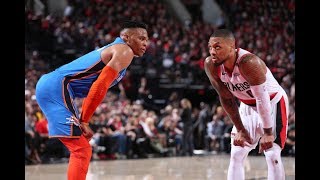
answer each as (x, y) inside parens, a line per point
(247, 58)
(253, 69)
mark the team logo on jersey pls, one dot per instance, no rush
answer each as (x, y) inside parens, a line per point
(238, 86)
(73, 120)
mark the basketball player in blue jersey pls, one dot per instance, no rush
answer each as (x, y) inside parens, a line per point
(89, 77)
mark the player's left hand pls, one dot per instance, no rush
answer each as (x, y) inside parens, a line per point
(266, 142)
(241, 138)
(86, 131)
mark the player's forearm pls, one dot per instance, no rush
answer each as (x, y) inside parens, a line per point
(231, 108)
(91, 103)
(97, 92)
(263, 106)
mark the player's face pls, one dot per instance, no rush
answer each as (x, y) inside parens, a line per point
(219, 50)
(138, 41)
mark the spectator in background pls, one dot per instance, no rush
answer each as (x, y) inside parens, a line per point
(214, 134)
(201, 125)
(119, 135)
(226, 137)
(187, 139)
(51, 149)
(32, 140)
(290, 146)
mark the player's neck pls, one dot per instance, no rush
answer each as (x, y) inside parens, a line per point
(231, 61)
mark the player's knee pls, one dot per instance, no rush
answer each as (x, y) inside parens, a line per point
(238, 155)
(273, 154)
(83, 153)
(87, 151)
(83, 156)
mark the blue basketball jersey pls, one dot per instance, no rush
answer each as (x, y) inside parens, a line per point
(82, 72)
(56, 91)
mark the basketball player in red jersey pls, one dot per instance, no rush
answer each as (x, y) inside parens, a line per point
(262, 117)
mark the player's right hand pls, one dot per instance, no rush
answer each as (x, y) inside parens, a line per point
(266, 142)
(86, 131)
(241, 137)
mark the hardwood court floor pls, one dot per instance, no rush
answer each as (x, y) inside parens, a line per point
(212, 167)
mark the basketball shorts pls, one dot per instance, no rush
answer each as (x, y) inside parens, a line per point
(56, 101)
(253, 123)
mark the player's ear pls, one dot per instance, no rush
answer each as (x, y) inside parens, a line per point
(125, 37)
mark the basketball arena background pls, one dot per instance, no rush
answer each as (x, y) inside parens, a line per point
(59, 31)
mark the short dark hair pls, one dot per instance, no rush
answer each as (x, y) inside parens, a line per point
(133, 24)
(224, 33)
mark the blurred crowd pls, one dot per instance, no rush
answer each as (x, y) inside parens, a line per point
(165, 105)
